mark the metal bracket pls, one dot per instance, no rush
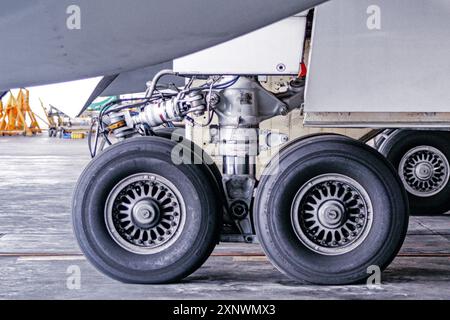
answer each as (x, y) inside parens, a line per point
(269, 139)
(239, 193)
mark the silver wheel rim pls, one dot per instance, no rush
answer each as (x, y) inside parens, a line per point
(332, 214)
(424, 171)
(145, 213)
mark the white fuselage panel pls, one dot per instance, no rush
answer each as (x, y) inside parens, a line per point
(273, 50)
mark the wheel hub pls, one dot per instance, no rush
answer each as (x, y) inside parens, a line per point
(332, 214)
(424, 171)
(145, 213)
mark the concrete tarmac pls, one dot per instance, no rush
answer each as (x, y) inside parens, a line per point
(39, 255)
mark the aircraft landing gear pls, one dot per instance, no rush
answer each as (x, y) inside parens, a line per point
(326, 209)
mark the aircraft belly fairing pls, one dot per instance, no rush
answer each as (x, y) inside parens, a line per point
(43, 44)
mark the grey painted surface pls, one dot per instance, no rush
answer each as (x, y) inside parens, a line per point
(402, 67)
(118, 36)
(38, 175)
(135, 81)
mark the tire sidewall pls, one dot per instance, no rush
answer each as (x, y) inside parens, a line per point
(405, 140)
(144, 156)
(274, 202)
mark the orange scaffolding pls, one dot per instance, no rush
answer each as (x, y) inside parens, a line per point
(16, 114)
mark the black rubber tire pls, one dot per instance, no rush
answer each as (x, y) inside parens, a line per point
(297, 165)
(177, 134)
(168, 132)
(399, 144)
(203, 220)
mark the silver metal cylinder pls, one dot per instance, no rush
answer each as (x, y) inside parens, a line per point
(239, 165)
(156, 114)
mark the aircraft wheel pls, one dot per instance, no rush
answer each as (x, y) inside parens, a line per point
(139, 218)
(422, 161)
(330, 208)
